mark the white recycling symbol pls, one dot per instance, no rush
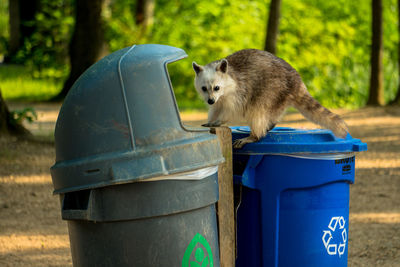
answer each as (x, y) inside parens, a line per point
(336, 223)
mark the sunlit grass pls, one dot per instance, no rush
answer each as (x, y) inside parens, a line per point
(17, 83)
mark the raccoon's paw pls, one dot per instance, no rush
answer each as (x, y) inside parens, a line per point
(212, 124)
(239, 143)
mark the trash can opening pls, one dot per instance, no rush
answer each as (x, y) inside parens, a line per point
(180, 74)
(78, 200)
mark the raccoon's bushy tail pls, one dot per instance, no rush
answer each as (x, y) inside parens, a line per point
(315, 112)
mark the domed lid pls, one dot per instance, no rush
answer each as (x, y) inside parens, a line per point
(120, 123)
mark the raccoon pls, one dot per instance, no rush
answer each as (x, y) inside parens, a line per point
(257, 87)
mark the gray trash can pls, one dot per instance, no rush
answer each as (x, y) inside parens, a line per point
(136, 187)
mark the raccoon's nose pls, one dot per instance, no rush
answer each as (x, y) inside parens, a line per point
(211, 101)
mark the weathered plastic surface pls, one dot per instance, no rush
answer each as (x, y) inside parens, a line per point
(294, 207)
(137, 188)
(159, 223)
(120, 123)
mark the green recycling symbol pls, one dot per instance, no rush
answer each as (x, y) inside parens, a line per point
(200, 259)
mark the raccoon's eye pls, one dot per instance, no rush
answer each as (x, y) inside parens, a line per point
(204, 88)
(216, 88)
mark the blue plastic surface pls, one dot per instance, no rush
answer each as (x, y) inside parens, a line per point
(294, 207)
(290, 140)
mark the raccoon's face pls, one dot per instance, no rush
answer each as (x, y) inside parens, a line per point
(211, 80)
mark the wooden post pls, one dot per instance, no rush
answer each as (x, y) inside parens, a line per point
(225, 206)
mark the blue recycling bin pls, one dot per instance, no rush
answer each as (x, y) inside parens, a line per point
(292, 197)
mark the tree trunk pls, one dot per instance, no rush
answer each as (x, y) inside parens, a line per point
(7, 125)
(4, 116)
(87, 42)
(376, 97)
(144, 17)
(21, 15)
(273, 26)
(396, 100)
(15, 22)
(28, 10)
(144, 13)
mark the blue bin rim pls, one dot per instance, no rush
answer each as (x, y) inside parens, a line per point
(287, 140)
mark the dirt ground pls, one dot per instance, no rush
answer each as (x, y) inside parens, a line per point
(33, 234)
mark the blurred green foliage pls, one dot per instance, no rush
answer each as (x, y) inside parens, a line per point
(17, 82)
(46, 51)
(27, 114)
(206, 30)
(328, 42)
(4, 28)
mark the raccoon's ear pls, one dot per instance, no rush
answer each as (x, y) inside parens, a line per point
(222, 66)
(197, 68)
